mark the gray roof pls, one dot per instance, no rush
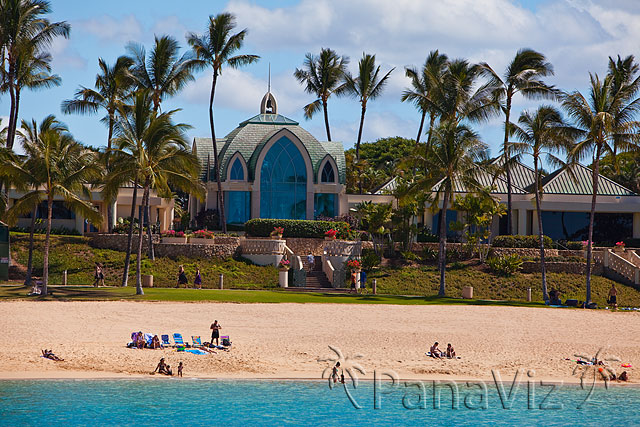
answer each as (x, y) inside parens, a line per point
(485, 179)
(581, 183)
(252, 134)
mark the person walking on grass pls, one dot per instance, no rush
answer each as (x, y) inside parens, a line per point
(215, 331)
(197, 282)
(98, 275)
(182, 277)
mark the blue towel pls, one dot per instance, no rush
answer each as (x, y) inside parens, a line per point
(195, 351)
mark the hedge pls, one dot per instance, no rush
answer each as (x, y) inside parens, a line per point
(259, 227)
(521, 242)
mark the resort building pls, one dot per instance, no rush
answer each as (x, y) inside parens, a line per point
(161, 211)
(566, 205)
(270, 167)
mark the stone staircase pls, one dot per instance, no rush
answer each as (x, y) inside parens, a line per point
(317, 280)
(621, 266)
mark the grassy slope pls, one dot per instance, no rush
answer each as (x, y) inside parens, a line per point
(73, 254)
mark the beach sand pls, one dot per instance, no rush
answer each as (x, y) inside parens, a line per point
(292, 340)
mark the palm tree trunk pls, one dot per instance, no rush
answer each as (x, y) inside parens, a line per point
(424, 114)
(442, 255)
(506, 159)
(127, 258)
(45, 255)
(432, 121)
(543, 269)
(27, 281)
(216, 168)
(13, 109)
(139, 290)
(109, 202)
(596, 168)
(326, 118)
(147, 211)
(364, 109)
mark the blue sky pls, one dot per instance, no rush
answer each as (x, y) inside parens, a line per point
(576, 35)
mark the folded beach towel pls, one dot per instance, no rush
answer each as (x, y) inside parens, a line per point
(148, 338)
(195, 351)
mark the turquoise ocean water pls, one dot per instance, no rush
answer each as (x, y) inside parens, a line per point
(217, 402)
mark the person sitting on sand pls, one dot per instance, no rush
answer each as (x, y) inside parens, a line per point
(155, 342)
(180, 369)
(168, 370)
(140, 342)
(435, 351)
(161, 368)
(451, 352)
(623, 376)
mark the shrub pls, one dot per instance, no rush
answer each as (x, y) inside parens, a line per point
(505, 265)
(574, 246)
(259, 227)
(208, 219)
(409, 256)
(62, 231)
(203, 234)
(429, 254)
(521, 242)
(370, 259)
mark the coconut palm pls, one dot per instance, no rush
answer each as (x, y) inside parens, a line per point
(112, 86)
(450, 163)
(523, 75)
(159, 150)
(367, 85)
(61, 167)
(422, 81)
(543, 135)
(606, 123)
(24, 29)
(322, 76)
(218, 48)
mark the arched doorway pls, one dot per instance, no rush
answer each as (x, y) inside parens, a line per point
(283, 182)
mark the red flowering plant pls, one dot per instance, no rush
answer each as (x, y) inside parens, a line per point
(277, 231)
(203, 234)
(331, 234)
(354, 264)
(620, 245)
(172, 233)
(284, 264)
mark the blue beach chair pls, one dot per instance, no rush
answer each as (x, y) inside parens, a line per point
(165, 341)
(177, 338)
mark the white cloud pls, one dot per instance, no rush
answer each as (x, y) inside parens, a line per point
(109, 29)
(63, 56)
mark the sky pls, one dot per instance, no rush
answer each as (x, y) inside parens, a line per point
(577, 36)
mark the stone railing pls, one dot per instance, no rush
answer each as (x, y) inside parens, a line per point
(622, 266)
(328, 269)
(632, 257)
(262, 247)
(342, 248)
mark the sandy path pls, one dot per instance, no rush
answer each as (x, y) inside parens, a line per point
(289, 340)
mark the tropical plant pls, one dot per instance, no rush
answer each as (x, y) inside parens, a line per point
(61, 167)
(157, 148)
(376, 220)
(112, 87)
(542, 134)
(450, 163)
(422, 83)
(523, 75)
(217, 48)
(24, 31)
(367, 85)
(322, 76)
(606, 123)
(506, 265)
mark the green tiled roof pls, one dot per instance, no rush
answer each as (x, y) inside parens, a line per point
(252, 134)
(581, 183)
(485, 179)
(522, 176)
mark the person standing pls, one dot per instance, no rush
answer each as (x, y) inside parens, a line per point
(613, 297)
(215, 331)
(363, 280)
(311, 260)
(182, 277)
(197, 282)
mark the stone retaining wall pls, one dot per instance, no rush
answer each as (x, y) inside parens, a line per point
(189, 250)
(118, 242)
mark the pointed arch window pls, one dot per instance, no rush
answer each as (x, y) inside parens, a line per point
(328, 175)
(237, 172)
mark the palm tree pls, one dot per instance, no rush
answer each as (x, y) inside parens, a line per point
(112, 86)
(24, 29)
(523, 75)
(367, 85)
(62, 167)
(451, 162)
(422, 82)
(541, 134)
(217, 48)
(322, 75)
(606, 124)
(159, 150)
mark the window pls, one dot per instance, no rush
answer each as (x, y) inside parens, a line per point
(325, 205)
(328, 175)
(237, 172)
(283, 182)
(58, 211)
(574, 226)
(237, 206)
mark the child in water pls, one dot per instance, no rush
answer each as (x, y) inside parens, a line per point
(180, 369)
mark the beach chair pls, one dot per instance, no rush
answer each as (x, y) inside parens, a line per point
(177, 338)
(225, 341)
(197, 341)
(165, 341)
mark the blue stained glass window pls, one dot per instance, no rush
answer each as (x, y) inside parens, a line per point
(325, 205)
(237, 173)
(327, 173)
(237, 206)
(283, 182)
